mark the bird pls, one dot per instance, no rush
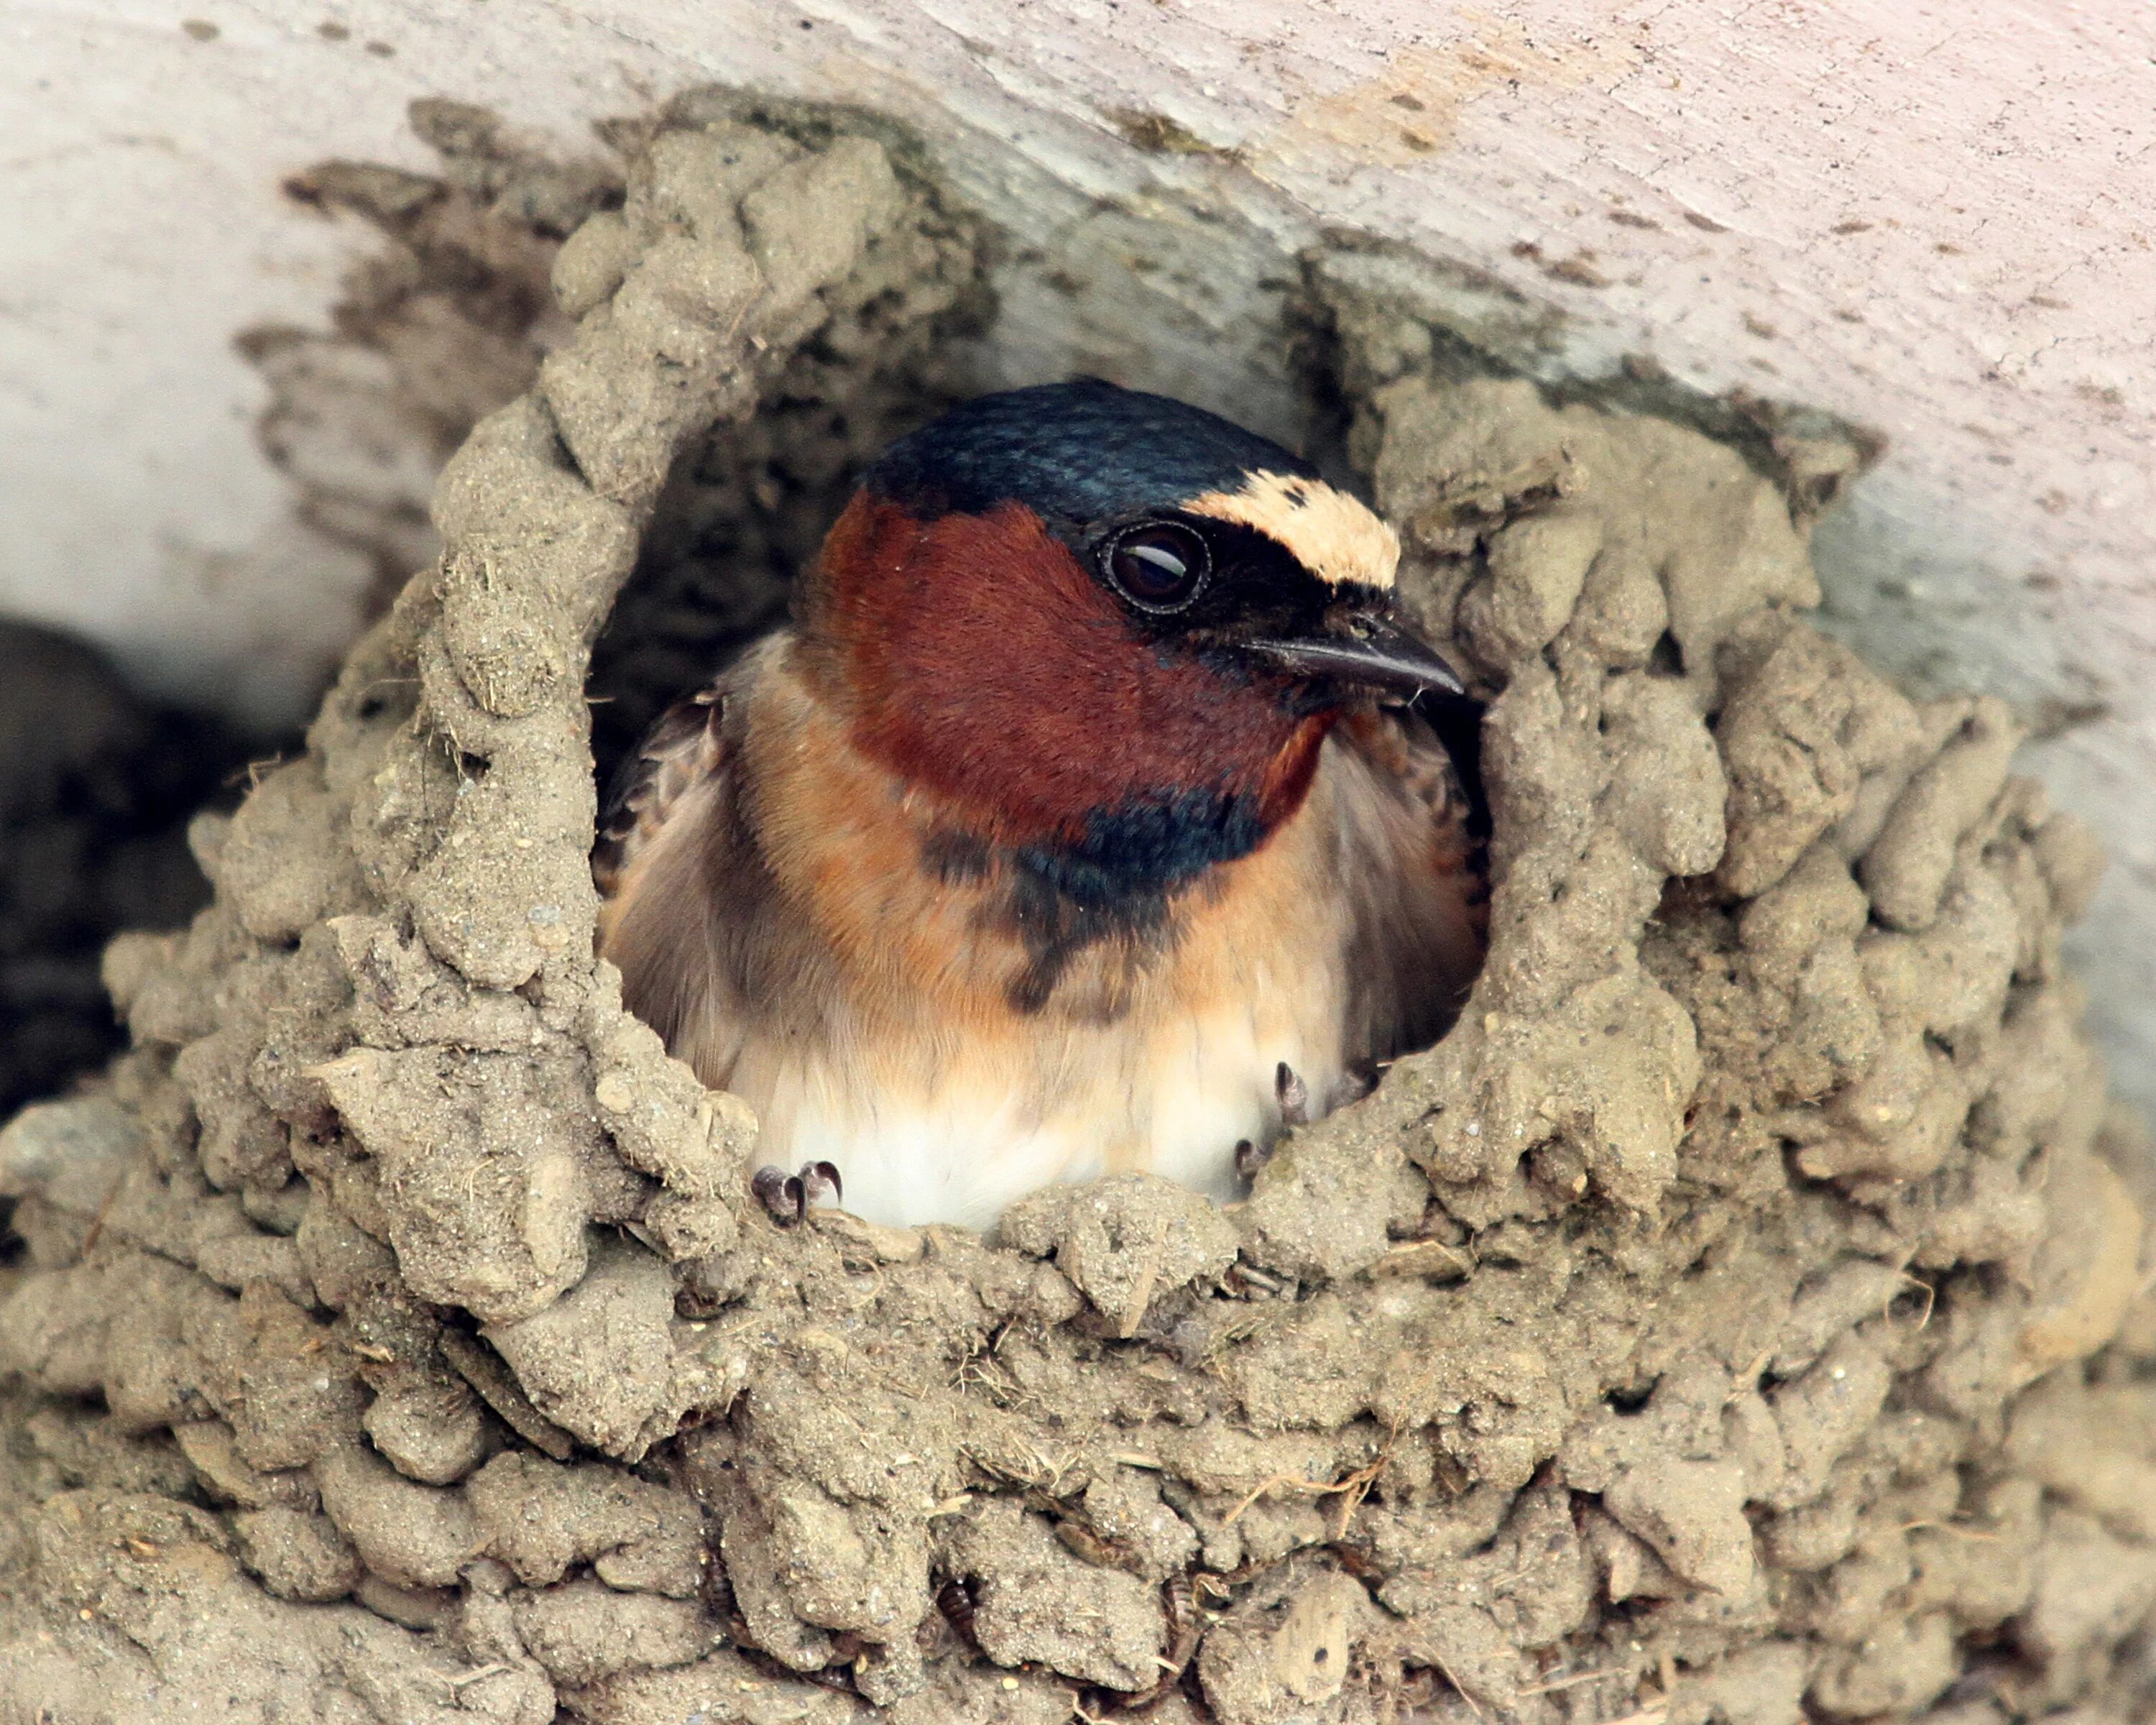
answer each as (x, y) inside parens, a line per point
(1089, 816)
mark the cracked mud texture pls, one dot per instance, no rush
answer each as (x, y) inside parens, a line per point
(1741, 1317)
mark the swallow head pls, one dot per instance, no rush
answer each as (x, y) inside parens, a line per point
(1106, 625)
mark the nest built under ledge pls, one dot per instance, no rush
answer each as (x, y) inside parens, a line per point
(1738, 1317)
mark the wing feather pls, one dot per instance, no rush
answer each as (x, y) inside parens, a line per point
(668, 865)
(1415, 865)
(685, 749)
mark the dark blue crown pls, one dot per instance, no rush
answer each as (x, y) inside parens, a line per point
(1081, 451)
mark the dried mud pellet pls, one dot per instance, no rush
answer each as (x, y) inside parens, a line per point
(599, 1362)
(409, 1535)
(583, 1631)
(592, 263)
(298, 1556)
(1904, 870)
(1537, 566)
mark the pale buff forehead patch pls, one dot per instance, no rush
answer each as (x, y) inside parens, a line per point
(1331, 534)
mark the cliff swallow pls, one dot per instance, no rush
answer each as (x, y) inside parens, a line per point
(1084, 820)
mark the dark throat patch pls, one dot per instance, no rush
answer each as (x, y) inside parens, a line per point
(1113, 884)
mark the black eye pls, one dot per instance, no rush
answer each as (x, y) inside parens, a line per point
(1158, 566)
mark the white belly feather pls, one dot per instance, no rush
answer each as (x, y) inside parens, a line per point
(1170, 1094)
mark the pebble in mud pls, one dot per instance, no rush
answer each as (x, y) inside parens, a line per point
(1662, 1344)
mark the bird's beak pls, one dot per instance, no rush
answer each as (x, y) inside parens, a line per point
(1373, 651)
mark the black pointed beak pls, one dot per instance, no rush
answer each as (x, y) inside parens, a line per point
(1373, 651)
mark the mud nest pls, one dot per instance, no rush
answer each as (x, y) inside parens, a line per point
(1739, 1317)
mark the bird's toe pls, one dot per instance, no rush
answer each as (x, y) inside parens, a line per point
(1292, 1094)
(783, 1195)
(820, 1185)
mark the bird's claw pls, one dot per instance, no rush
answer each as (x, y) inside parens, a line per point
(780, 1194)
(1292, 1094)
(786, 1197)
(820, 1185)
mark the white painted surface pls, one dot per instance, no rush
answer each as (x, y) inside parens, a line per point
(1937, 218)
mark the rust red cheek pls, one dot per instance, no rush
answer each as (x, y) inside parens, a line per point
(985, 663)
